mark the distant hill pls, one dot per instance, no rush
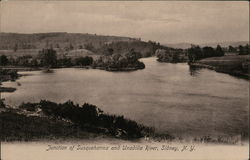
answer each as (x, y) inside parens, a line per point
(56, 40)
(179, 45)
(222, 44)
(73, 44)
(145, 48)
(226, 44)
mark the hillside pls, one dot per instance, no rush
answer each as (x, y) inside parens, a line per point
(73, 44)
(122, 47)
(214, 44)
(10, 41)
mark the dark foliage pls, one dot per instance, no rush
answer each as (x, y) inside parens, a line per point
(91, 118)
(64, 62)
(2, 104)
(117, 62)
(84, 61)
(48, 57)
(146, 49)
(3, 60)
(8, 74)
(244, 50)
(16, 126)
(196, 53)
(171, 55)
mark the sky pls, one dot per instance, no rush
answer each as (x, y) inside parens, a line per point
(161, 21)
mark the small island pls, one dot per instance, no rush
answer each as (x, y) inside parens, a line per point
(8, 75)
(118, 62)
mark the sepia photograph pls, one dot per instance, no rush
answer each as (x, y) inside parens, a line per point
(124, 80)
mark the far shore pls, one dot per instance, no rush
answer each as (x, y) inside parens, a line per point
(7, 89)
(23, 69)
(234, 65)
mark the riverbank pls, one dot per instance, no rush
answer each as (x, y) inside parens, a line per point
(167, 61)
(8, 74)
(7, 89)
(235, 65)
(125, 69)
(22, 69)
(111, 69)
(48, 120)
(67, 121)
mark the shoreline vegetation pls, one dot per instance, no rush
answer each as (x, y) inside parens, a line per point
(234, 61)
(118, 62)
(48, 59)
(235, 65)
(8, 75)
(48, 120)
(171, 55)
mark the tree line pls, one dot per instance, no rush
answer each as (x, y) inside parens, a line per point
(49, 58)
(197, 53)
(119, 61)
(45, 58)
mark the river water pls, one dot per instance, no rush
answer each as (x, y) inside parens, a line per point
(169, 97)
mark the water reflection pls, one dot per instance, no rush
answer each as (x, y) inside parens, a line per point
(48, 71)
(194, 71)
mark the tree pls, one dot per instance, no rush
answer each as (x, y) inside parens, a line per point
(2, 104)
(71, 47)
(194, 53)
(175, 58)
(34, 63)
(89, 46)
(84, 61)
(110, 51)
(231, 49)
(80, 47)
(57, 45)
(208, 52)
(49, 57)
(244, 50)
(15, 47)
(219, 51)
(133, 56)
(3, 60)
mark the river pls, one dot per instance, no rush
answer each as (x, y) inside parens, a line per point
(169, 97)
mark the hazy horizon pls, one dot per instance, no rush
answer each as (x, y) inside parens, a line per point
(165, 22)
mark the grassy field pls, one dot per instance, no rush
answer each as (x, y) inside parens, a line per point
(226, 62)
(232, 64)
(226, 59)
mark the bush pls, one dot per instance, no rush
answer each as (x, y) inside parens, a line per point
(3, 60)
(91, 117)
(84, 61)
